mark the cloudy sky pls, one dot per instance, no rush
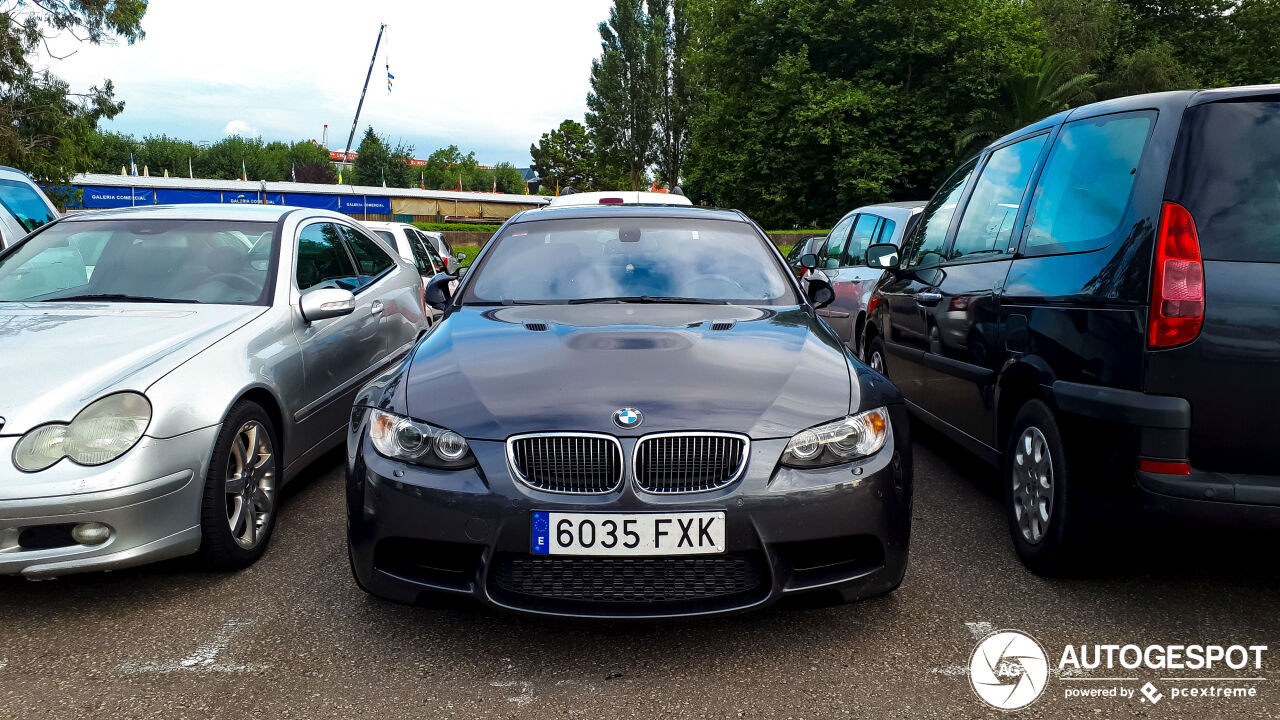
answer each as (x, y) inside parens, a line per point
(487, 75)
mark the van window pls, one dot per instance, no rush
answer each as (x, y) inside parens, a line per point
(863, 231)
(833, 251)
(1227, 174)
(993, 206)
(927, 238)
(1087, 183)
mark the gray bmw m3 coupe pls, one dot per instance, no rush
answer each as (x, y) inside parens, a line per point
(629, 412)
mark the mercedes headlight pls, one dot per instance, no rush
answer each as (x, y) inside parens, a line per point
(100, 433)
(400, 438)
(840, 441)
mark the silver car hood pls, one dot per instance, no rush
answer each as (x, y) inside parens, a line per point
(55, 358)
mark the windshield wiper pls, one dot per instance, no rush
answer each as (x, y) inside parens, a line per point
(648, 299)
(115, 297)
(500, 303)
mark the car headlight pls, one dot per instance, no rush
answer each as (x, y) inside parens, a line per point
(98, 434)
(840, 441)
(400, 438)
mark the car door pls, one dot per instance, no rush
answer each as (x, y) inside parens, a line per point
(911, 293)
(848, 279)
(830, 255)
(337, 352)
(394, 309)
(965, 347)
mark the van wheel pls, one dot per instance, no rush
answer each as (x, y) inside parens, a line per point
(1038, 501)
(241, 490)
(875, 356)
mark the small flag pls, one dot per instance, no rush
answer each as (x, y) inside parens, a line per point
(339, 174)
(422, 181)
(190, 173)
(384, 178)
(459, 183)
(146, 172)
(293, 171)
(244, 174)
(133, 166)
(495, 182)
(526, 187)
(390, 78)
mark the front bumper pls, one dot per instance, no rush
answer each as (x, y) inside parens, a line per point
(150, 500)
(412, 530)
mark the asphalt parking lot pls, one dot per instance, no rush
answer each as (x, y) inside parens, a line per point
(294, 637)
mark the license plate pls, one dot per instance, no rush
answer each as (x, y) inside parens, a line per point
(556, 533)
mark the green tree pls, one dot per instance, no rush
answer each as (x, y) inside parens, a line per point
(508, 178)
(224, 160)
(372, 161)
(45, 128)
(446, 165)
(624, 87)
(670, 19)
(1047, 85)
(565, 157)
(161, 152)
(797, 123)
(310, 162)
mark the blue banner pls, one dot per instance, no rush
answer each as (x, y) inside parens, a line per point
(241, 198)
(113, 197)
(311, 200)
(174, 196)
(362, 204)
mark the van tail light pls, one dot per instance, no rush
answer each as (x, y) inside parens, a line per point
(1164, 467)
(1177, 295)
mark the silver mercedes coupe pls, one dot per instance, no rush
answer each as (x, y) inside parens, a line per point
(164, 371)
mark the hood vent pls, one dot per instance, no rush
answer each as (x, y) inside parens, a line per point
(720, 325)
(536, 326)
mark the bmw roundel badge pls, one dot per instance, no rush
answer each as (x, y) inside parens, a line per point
(627, 417)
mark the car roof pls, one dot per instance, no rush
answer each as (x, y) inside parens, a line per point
(261, 213)
(893, 210)
(637, 211)
(628, 197)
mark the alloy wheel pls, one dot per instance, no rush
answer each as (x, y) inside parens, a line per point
(877, 361)
(251, 484)
(1032, 484)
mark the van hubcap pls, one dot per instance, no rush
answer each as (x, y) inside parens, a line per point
(1032, 484)
(877, 362)
(251, 484)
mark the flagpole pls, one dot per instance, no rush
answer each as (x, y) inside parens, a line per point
(356, 121)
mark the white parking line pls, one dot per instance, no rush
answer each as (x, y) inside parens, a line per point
(526, 690)
(203, 659)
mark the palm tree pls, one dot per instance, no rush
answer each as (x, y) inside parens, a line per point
(1050, 85)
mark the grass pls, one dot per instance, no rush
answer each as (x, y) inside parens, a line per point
(811, 231)
(785, 249)
(455, 227)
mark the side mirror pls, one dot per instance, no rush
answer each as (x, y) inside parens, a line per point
(820, 292)
(461, 257)
(439, 290)
(808, 261)
(883, 256)
(462, 271)
(326, 303)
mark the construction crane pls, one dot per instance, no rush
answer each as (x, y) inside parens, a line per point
(351, 138)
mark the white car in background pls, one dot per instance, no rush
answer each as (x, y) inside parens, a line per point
(411, 244)
(25, 206)
(618, 197)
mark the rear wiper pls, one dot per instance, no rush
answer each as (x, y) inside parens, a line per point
(648, 299)
(115, 297)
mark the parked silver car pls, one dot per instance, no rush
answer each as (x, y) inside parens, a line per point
(452, 260)
(23, 206)
(165, 371)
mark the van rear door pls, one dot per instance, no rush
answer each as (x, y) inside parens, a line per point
(1226, 173)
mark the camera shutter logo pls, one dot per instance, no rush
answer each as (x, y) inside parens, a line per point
(1008, 670)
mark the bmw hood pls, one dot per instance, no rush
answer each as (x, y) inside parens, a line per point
(55, 358)
(489, 373)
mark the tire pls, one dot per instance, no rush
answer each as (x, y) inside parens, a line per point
(230, 538)
(876, 356)
(1039, 504)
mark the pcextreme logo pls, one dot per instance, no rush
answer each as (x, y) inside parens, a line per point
(1008, 670)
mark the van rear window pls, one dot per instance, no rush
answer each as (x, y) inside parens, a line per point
(1227, 173)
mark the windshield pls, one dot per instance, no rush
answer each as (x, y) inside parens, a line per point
(26, 206)
(629, 259)
(196, 261)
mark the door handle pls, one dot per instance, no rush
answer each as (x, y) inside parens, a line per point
(376, 307)
(829, 312)
(928, 298)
